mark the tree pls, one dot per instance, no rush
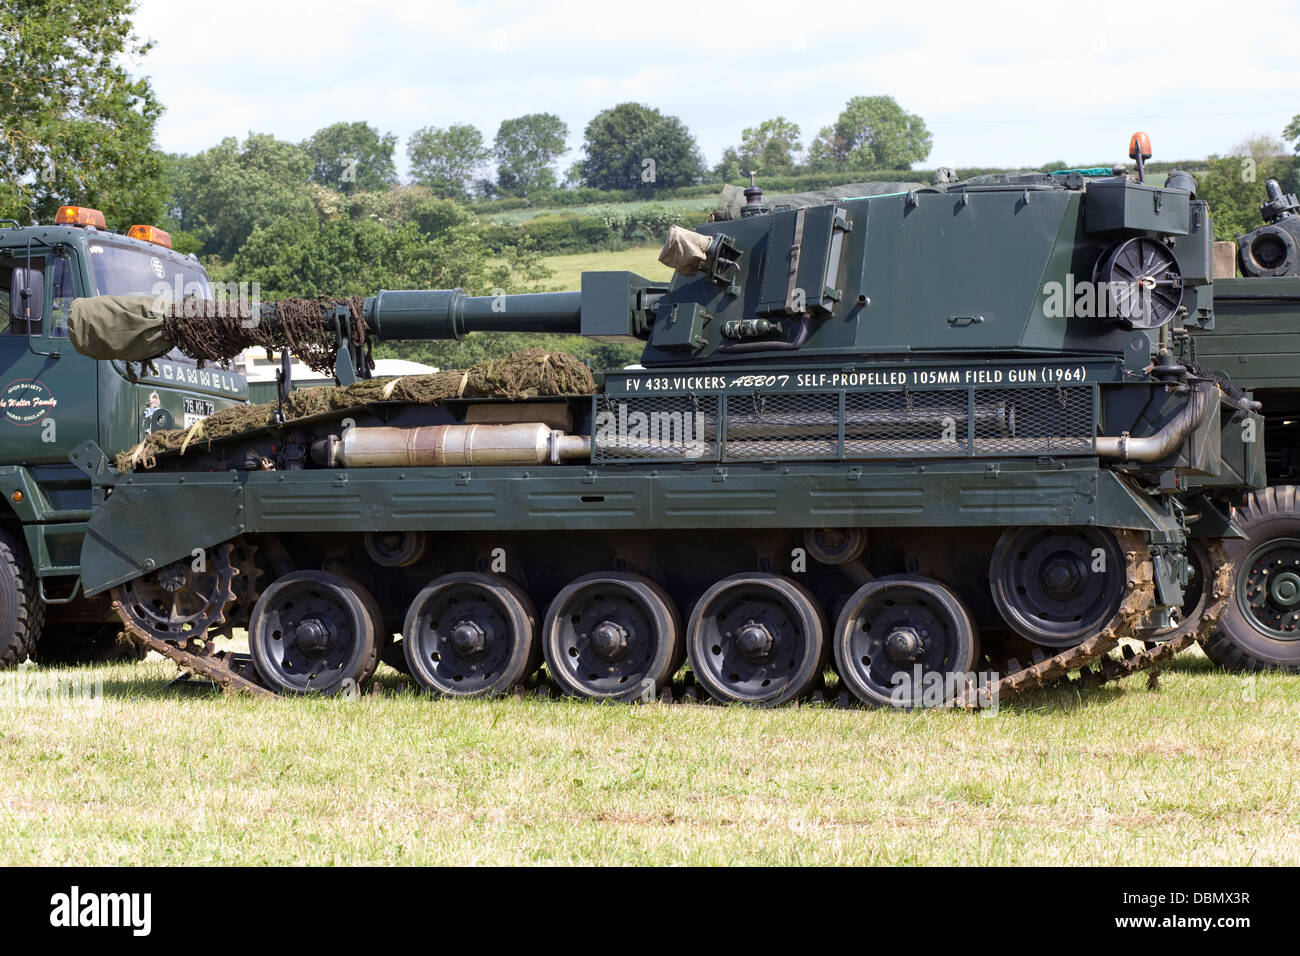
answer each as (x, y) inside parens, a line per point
(872, 132)
(75, 127)
(307, 256)
(446, 160)
(1292, 132)
(225, 192)
(352, 157)
(526, 148)
(770, 148)
(1233, 185)
(632, 146)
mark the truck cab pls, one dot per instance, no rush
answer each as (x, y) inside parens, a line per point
(52, 398)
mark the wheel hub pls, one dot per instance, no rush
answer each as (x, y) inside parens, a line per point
(1268, 590)
(1284, 589)
(172, 577)
(609, 640)
(1063, 576)
(312, 637)
(468, 639)
(754, 641)
(904, 645)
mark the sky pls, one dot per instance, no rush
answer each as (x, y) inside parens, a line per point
(998, 84)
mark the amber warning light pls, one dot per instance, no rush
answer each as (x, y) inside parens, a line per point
(151, 234)
(1139, 149)
(79, 216)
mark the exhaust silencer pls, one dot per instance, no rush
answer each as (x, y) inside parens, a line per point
(530, 443)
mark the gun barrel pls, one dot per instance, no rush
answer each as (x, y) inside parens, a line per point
(450, 313)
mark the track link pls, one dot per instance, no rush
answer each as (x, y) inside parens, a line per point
(1161, 653)
(1139, 593)
(193, 650)
(231, 672)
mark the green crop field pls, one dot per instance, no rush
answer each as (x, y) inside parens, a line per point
(1203, 770)
(514, 217)
(567, 270)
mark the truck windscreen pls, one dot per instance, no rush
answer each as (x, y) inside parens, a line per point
(123, 270)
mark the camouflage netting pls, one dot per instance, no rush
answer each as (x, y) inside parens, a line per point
(207, 330)
(526, 374)
(139, 329)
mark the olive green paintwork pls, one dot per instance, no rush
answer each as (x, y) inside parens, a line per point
(916, 284)
(1256, 337)
(54, 399)
(125, 540)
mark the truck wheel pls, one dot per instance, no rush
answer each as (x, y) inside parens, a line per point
(70, 644)
(21, 610)
(1260, 629)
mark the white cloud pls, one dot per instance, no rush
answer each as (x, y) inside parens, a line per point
(997, 83)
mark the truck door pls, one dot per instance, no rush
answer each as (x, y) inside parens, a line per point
(47, 388)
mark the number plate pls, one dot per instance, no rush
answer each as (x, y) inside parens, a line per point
(197, 409)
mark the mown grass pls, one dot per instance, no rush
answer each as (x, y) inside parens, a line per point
(1202, 770)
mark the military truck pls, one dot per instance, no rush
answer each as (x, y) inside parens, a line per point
(1256, 344)
(947, 442)
(53, 398)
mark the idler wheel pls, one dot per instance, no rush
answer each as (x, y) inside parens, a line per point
(899, 628)
(756, 639)
(469, 634)
(1057, 586)
(612, 636)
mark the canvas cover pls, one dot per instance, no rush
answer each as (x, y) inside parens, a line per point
(684, 250)
(127, 327)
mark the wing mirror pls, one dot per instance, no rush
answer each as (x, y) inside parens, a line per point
(26, 289)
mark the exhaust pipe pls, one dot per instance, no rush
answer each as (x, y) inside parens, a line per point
(435, 445)
(1163, 443)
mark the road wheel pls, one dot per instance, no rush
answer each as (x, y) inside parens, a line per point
(312, 632)
(902, 637)
(469, 634)
(612, 636)
(757, 639)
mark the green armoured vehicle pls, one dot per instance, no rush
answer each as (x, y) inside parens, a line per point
(949, 442)
(52, 399)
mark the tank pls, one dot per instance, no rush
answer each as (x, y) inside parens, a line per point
(920, 448)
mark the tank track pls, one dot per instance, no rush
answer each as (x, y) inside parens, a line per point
(234, 672)
(1139, 594)
(199, 656)
(1157, 654)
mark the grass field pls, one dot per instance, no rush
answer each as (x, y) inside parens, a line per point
(568, 270)
(1202, 771)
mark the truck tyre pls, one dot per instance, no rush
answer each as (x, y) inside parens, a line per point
(1260, 629)
(71, 644)
(21, 609)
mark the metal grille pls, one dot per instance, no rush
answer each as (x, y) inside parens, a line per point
(783, 426)
(906, 423)
(668, 427)
(834, 425)
(1036, 421)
